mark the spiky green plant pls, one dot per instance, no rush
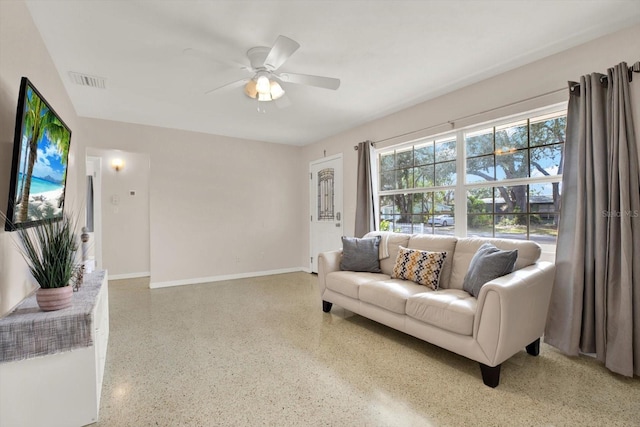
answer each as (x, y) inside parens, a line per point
(50, 251)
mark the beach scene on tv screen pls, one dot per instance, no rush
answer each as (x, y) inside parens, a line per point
(44, 151)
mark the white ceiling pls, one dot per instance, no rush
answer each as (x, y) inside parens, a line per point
(389, 55)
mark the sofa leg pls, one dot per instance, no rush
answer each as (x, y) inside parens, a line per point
(534, 348)
(490, 375)
(326, 306)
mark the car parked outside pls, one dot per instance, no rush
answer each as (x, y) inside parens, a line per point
(441, 220)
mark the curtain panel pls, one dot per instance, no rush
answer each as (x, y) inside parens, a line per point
(89, 204)
(366, 190)
(595, 304)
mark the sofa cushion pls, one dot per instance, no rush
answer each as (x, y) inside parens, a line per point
(433, 243)
(487, 264)
(449, 309)
(360, 254)
(393, 241)
(466, 248)
(348, 282)
(389, 294)
(422, 267)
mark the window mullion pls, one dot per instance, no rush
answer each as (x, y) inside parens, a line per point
(461, 192)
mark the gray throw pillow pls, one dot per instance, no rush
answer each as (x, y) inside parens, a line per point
(487, 264)
(360, 254)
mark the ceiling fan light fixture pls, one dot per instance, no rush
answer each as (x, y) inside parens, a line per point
(263, 85)
(250, 89)
(264, 96)
(263, 89)
(276, 90)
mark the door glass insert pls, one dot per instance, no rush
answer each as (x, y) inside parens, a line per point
(326, 206)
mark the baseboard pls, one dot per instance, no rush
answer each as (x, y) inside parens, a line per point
(129, 275)
(199, 280)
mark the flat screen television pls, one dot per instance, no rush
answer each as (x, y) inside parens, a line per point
(39, 166)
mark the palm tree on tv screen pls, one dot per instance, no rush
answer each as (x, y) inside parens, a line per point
(59, 135)
(38, 121)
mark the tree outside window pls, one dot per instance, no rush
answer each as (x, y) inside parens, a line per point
(512, 181)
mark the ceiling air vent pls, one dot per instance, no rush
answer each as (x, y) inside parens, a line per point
(87, 80)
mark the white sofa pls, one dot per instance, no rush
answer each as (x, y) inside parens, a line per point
(508, 315)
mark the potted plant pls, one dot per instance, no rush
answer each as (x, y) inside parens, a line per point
(50, 252)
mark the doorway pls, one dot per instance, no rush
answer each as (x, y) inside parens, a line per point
(121, 202)
(325, 193)
(93, 202)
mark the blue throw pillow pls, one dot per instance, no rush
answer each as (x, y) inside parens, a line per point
(487, 264)
(360, 254)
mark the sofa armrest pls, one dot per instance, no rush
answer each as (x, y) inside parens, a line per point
(512, 311)
(327, 262)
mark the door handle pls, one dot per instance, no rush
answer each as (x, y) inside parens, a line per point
(338, 216)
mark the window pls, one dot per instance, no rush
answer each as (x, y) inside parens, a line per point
(408, 178)
(510, 185)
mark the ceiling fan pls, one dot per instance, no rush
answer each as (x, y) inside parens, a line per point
(265, 84)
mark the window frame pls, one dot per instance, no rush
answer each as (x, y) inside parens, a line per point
(461, 186)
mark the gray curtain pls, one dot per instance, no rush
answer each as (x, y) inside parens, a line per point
(366, 191)
(595, 305)
(89, 203)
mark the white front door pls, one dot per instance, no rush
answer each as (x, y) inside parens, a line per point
(326, 206)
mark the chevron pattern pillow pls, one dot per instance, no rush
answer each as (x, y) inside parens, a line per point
(422, 267)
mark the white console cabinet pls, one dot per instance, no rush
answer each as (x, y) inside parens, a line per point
(62, 388)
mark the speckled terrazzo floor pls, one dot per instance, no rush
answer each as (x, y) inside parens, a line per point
(260, 352)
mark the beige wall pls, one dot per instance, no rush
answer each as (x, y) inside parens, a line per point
(124, 217)
(539, 78)
(22, 53)
(219, 206)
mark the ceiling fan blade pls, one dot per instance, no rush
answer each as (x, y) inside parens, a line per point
(201, 55)
(282, 49)
(305, 79)
(233, 84)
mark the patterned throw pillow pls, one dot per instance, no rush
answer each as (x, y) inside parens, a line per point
(422, 267)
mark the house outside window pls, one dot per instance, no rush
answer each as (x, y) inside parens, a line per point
(500, 179)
